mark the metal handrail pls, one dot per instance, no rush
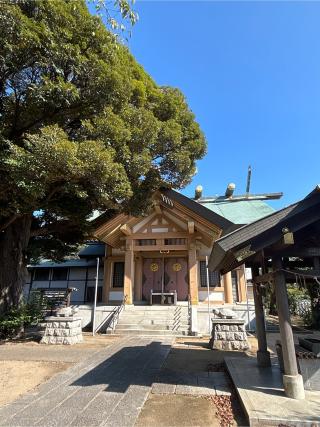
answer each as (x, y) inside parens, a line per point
(116, 315)
(111, 321)
(189, 311)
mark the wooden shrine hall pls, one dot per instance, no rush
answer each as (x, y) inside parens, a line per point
(279, 248)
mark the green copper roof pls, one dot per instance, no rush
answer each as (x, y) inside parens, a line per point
(239, 212)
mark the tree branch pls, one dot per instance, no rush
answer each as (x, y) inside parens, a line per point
(9, 222)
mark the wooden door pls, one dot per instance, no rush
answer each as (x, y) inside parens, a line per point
(151, 277)
(176, 277)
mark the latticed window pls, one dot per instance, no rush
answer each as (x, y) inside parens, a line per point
(118, 275)
(146, 242)
(214, 276)
(175, 241)
(59, 274)
(41, 274)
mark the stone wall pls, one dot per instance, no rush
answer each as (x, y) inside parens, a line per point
(228, 334)
(61, 330)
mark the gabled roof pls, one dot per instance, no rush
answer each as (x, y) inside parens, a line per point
(208, 223)
(234, 248)
(210, 215)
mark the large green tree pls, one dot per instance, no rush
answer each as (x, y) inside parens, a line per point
(82, 128)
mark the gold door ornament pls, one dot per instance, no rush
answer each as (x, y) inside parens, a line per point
(176, 266)
(154, 267)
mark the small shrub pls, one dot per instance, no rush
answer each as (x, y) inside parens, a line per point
(13, 322)
(299, 300)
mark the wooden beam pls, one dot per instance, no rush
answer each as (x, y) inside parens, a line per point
(158, 209)
(293, 251)
(126, 229)
(263, 278)
(191, 227)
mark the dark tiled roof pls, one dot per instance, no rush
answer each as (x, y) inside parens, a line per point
(263, 232)
(196, 207)
(96, 249)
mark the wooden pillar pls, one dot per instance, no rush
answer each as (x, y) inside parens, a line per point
(138, 279)
(128, 272)
(292, 380)
(106, 275)
(263, 355)
(193, 274)
(227, 285)
(242, 284)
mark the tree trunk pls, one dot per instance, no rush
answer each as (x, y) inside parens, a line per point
(13, 245)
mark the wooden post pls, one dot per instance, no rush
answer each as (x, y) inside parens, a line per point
(263, 355)
(227, 285)
(193, 282)
(138, 279)
(292, 380)
(128, 272)
(242, 284)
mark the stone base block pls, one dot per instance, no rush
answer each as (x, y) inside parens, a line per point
(228, 334)
(62, 330)
(293, 386)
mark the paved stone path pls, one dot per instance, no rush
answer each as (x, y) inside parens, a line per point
(108, 389)
(193, 383)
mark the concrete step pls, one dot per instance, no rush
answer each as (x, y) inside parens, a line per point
(147, 317)
(152, 310)
(151, 327)
(151, 332)
(151, 322)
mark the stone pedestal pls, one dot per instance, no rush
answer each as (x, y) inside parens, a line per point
(228, 334)
(61, 330)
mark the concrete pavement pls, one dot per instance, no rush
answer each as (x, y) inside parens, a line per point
(108, 389)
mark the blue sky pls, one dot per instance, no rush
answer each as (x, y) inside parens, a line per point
(251, 74)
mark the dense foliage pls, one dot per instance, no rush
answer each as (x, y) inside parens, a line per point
(82, 127)
(15, 320)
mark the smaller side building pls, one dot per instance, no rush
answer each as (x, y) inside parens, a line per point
(79, 273)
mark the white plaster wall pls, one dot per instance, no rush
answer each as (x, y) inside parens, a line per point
(243, 312)
(213, 296)
(102, 313)
(203, 250)
(115, 295)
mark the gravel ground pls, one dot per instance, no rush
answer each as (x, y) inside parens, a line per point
(26, 364)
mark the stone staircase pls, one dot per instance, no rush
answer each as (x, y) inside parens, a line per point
(153, 320)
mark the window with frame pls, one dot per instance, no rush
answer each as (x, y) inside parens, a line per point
(41, 274)
(118, 275)
(91, 292)
(60, 273)
(214, 276)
